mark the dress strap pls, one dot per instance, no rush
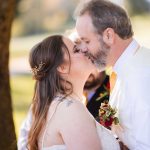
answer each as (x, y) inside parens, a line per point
(48, 123)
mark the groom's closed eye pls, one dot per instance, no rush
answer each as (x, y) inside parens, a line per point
(87, 41)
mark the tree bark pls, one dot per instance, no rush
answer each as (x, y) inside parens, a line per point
(7, 129)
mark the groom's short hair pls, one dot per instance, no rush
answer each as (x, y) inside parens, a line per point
(106, 14)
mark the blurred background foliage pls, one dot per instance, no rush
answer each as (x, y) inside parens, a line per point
(137, 7)
(36, 19)
(42, 16)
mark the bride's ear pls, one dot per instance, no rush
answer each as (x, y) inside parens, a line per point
(62, 69)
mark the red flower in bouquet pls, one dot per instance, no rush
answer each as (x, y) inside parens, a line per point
(107, 115)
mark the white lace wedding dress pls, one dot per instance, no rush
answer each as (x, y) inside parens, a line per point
(108, 141)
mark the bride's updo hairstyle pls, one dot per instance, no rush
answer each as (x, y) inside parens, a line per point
(44, 59)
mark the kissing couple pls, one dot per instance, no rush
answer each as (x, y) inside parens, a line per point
(57, 119)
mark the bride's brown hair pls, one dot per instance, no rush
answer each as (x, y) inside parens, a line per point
(44, 60)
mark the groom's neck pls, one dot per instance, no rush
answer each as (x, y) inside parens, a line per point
(118, 48)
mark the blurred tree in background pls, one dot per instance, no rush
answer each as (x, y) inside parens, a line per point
(41, 16)
(7, 130)
(137, 7)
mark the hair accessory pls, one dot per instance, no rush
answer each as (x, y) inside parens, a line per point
(36, 69)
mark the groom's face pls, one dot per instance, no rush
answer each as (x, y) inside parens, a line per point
(92, 43)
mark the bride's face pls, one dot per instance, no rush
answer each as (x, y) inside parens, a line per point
(80, 64)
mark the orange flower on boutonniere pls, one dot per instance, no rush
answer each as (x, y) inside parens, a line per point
(107, 115)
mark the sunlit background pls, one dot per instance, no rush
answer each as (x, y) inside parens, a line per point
(36, 19)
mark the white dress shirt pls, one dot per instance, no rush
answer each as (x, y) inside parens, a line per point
(24, 131)
(131, 97)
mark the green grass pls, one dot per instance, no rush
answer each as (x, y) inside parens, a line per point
(22, 92)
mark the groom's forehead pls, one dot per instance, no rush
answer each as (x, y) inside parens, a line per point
(84, 28)
(84, 21)
(84, 36)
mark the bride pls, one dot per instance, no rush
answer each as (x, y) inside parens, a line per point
(60, 121)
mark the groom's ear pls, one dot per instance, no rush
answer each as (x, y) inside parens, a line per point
(108, 36)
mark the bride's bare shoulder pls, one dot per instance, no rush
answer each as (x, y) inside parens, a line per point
(72, 104)
(73, 110)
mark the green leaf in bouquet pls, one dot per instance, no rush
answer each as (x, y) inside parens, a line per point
(99, 98)
(105, 117)
(116, 120)
(108, 113)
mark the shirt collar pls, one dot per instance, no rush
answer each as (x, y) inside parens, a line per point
(129, 51)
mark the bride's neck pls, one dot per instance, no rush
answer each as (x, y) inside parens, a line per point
(78, 87)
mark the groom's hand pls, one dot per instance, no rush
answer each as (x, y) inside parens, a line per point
(117, 129)
(122, 146)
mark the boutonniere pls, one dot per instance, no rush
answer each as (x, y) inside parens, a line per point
(107, 115)
(105, 93)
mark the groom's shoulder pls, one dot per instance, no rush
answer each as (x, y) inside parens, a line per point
(143, 51)
(141, 57)
(139, 63)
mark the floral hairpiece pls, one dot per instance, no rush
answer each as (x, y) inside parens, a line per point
(36, 69)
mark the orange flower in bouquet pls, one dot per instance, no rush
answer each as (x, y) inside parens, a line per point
(107, 115)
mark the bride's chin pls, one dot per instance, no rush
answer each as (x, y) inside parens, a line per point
(90, 72)
(93, 68)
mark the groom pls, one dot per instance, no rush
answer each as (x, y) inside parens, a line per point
(107, 38)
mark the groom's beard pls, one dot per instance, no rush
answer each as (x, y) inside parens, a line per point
(100, 58)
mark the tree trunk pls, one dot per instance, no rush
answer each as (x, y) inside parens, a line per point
(7, 129)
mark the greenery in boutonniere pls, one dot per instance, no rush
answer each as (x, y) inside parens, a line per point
(104, 93)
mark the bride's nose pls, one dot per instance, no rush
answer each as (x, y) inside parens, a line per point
(83, 48)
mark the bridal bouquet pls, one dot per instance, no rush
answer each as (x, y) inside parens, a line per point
(107, 115)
